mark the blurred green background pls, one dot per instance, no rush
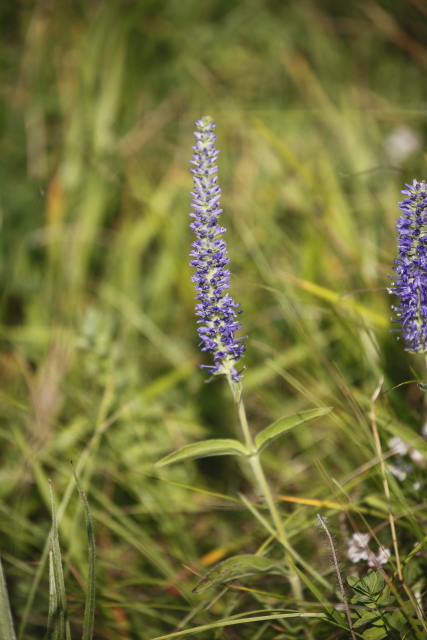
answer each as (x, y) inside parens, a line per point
(321, 111)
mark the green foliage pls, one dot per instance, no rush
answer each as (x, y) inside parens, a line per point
(7, 630)
(237, 567)
(98, 345)
(228, 447)
(285, 424)
(205, 449)
(58, 626)
(374, 596)
(91, 577)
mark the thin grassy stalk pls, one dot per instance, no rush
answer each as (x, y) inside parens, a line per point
(61, 509)
(52, 620)
(408, 592)
(7, 630)
(58, 607)
(232, 622)
(385, 482)
(34, 587)
(338, 572)
(91, 576)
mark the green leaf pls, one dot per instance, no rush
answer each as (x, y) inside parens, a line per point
(377, 582)
(371, 583)
(237, 567)
(91, 574)
(353, 581)
(375, 633)
(368, 616)
(218, 447)
(367, 600)
(58, 624)
(282, 425)
(396, 620)
(7, 631)
(385, 598)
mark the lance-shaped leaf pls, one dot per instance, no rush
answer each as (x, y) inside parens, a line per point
(91, 574)
(7, 631)
(58, 624)
(237, 567)
(282, 425)
(206, 449)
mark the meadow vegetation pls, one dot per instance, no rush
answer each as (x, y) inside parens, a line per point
(321, 111)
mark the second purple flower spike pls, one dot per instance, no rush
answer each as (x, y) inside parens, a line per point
(411, 267)
(217, 310)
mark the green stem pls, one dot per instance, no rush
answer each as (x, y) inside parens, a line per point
(245, 427)
(258, 472)
(265, 489)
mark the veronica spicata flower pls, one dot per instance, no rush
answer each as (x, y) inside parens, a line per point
(411, 268)
(217, 310)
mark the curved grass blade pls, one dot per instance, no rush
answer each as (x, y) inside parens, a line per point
(206, 449)
(59, 626)
(91, 574)
(336, 298)
(227, 622)
(237, 567)
(7, 631)
(329, 608)
(288, 547)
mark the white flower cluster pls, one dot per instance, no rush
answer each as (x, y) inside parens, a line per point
(357, 550)
(402, 469)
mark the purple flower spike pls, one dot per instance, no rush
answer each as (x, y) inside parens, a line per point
(411, 268)
(216, 310)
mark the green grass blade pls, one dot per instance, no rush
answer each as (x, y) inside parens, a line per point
(33, 589)
(52, 621)
(329, 608)
(7, 631)
(237, 567)
(61, 622)
(91, 575)
(249, 620)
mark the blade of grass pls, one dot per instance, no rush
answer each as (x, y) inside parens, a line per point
(7, 631)
(33, 589)
(91, 575)
(288, 547)
(52, 620)
(335, 298)
(59, 605)
(228, 623)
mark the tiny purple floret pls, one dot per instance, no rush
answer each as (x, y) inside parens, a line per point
(217, 310)
(411, 268)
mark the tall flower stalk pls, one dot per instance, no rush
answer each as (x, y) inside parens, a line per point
(217, 310)
(411, 268)
(411, 287)
(217, 316)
